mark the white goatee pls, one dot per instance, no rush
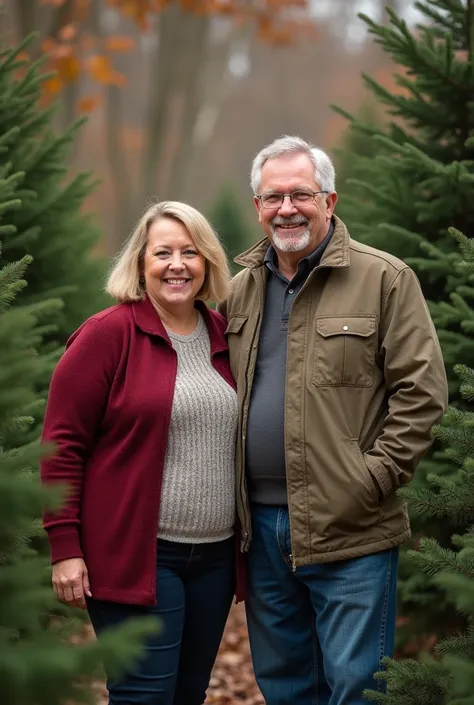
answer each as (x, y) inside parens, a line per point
(289, 243)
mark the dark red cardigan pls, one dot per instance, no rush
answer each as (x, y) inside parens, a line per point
(108, 415)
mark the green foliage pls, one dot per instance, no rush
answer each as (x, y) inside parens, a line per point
(45, 203)
(228, 218)
(447, 679)
(39, 665)
(358, 148)
(403, 198)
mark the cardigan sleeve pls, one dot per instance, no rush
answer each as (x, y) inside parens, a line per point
(77, 400)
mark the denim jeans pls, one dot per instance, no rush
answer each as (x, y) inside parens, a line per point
(317, 634)
(195, 585)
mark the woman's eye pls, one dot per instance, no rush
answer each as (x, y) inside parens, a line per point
(190, 252)
(161, 253)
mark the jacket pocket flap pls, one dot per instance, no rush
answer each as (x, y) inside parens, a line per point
(235, 324)
(345, 325)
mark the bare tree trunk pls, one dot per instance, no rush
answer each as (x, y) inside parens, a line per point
(47, 23)
(218, 85)
(191, 66)
(25, 17)
(161, 82)
(119, 171)
(115, 152)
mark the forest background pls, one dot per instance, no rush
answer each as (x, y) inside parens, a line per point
(180, 96)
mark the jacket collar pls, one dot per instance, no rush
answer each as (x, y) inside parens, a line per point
(336, 253)
(147, 319)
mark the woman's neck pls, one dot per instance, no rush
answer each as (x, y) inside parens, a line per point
(181, 320)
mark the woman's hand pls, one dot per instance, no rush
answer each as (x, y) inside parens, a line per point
(71, 582)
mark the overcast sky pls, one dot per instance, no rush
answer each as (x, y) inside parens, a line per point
(355, 31)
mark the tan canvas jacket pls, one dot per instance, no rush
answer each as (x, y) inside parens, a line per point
(365, 382)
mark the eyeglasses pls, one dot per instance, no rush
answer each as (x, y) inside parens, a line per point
(298, 198)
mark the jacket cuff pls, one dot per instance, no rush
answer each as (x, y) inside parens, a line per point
(64, 543)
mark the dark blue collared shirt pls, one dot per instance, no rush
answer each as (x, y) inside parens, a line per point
(265, 448)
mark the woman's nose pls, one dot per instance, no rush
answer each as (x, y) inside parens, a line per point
(176, 262)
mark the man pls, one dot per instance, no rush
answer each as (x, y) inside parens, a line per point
(340, 379)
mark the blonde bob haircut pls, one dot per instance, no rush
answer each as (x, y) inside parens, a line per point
(125, 283)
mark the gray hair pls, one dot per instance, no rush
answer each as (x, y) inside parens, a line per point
(324, 172)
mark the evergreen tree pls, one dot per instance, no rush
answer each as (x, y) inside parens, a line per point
(404, 199)
(356, 147)
(39, 665)
(228, 218)
(448, 679)
(50, 224)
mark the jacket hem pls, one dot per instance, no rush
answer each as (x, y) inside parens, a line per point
(125, 597)
(358, 551)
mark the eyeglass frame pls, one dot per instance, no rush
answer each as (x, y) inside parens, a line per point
(284, 195)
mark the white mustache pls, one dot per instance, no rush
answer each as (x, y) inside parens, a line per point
(289, 221)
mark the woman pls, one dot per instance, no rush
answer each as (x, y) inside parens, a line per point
(143, 413)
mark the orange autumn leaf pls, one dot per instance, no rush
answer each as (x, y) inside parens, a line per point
(121, 44)
(102, 71)
(137, 10)
(100, 68)
(53, 3)
(53, 85)
(88, 104)
(81, 10)
(68, 68)
(67, 33)
(117, 79)
(48, 45)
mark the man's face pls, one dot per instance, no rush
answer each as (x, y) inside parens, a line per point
(294, 228)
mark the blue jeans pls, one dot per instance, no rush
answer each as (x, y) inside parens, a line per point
(195, 585)
(318, 634)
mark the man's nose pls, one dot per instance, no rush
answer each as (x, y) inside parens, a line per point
(287, 207)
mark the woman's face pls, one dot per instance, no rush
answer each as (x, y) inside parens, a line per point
(173, 268)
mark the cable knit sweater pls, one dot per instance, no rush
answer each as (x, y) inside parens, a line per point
(198, 496)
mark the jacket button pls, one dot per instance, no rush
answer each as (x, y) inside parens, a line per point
(345, 327)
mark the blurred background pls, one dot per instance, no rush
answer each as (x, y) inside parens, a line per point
(177, 97)
(180, 96)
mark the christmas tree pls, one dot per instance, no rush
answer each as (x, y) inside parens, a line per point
(50, 225)
(39, 663)
(357, 146)
(404, 199)
(228, 219)
(447, 679)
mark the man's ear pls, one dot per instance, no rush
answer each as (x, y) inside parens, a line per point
(331, 201)
(258, 206)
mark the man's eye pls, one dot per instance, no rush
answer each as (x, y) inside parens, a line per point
(301, 196)
(272, 198)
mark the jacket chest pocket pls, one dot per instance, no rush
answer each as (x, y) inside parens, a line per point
(344, 351)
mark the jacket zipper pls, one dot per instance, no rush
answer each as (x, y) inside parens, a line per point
(247, 531)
